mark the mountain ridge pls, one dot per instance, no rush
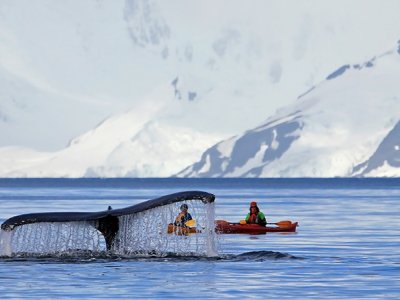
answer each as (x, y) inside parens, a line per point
(253, 155)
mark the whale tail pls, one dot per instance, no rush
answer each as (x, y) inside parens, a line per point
(106, 222)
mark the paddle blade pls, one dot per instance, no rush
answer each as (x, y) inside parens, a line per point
(242, 222)
(284, 223)
(190, 223)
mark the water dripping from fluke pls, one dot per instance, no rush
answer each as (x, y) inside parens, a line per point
(138, 230)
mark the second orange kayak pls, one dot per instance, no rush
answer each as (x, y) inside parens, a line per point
(223, 226)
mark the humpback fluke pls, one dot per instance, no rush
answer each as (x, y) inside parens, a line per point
(107, 222)
(109, 227)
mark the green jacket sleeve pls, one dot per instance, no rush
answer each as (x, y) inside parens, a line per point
(261, 219)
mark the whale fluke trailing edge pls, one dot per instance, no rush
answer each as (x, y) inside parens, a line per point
(106, 221)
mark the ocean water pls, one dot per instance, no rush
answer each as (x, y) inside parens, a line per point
(346, 247)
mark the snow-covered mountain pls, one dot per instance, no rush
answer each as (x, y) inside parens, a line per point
(347, 125)
(124, 145)
(67, 65)
(142, 87)
(146, 150)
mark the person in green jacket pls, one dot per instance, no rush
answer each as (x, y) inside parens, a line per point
(255, 216)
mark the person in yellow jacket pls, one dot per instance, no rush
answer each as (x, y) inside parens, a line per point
(255, 216)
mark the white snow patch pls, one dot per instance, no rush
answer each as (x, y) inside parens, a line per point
(274, 143)
(226, 147)
(253, 162)
(384, 171)
(207, 166)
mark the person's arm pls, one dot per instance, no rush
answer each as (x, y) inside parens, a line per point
(179, 217)
(185, 217)
(261, 219)
(247, 217)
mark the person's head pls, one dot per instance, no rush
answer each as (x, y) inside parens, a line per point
(184, 207)
(253, 207)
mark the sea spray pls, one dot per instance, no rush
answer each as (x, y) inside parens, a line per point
(5, 243)
(143, 233)
(146, 232)
(55, 237)
(212, 237)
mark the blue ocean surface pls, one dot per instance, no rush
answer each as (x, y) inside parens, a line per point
(346, 246)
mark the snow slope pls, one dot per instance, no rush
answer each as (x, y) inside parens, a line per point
(67, 65)
(135, 143)
(347, 125)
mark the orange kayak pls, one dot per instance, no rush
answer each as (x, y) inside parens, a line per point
(223, 226)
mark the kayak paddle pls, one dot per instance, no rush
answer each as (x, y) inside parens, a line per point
(280, 223)
(283, 223)
(190, 223)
